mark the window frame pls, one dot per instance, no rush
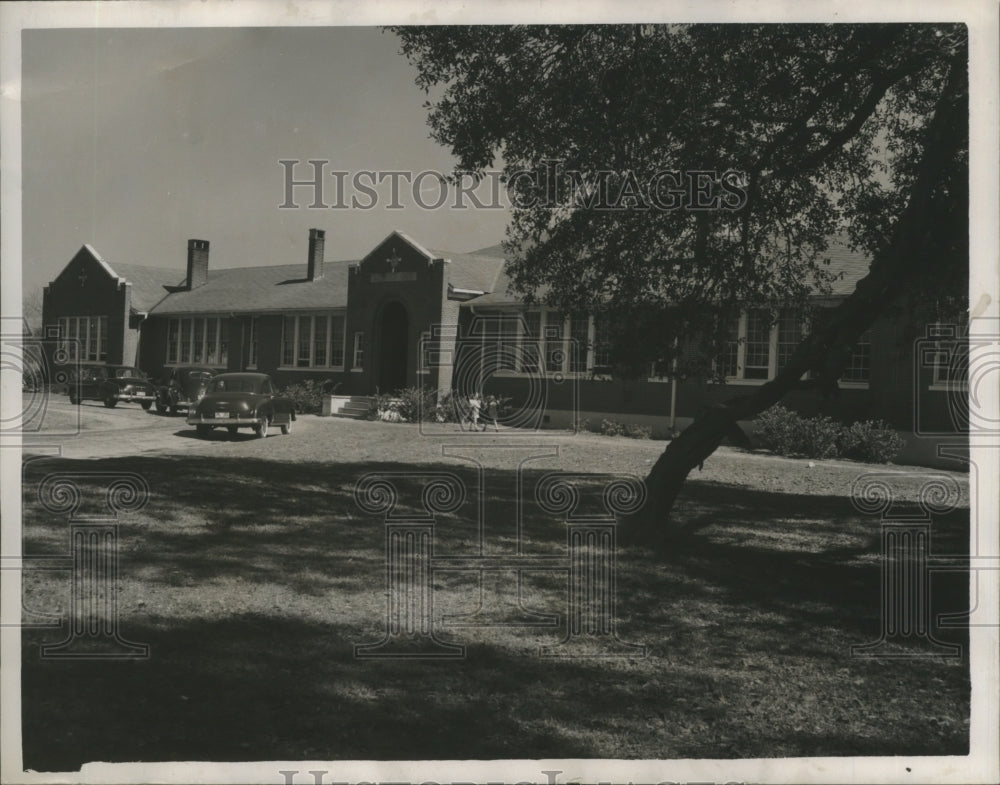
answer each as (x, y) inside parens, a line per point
(298, 320)
(183, 344)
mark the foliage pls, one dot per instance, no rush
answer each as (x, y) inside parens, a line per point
(307, 396)
(784, 432)
(796, 110)
(612, 428)
(634, 431)
(630, 430)
(872, 441)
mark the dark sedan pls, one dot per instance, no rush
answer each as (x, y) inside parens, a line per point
(186, 386)
(111, 384)
(241, 400)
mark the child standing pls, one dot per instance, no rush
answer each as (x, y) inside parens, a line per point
(475, 404)
(492, 412)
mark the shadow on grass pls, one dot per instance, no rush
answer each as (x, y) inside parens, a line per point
(748, 623)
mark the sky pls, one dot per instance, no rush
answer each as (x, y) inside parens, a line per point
(135, 140)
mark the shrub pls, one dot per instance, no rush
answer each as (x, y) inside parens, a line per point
(412, 403)
(818, 437)
(872, 441)
(612, 428)
(783, 432)
(778, 430)
(378, 405)
(307, 396)
(634, 431)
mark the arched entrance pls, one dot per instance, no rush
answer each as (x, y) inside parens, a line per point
(393, 329)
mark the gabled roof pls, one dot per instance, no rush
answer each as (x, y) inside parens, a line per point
(149, 284)
(258, 289)
(848, 266)
(472, 272)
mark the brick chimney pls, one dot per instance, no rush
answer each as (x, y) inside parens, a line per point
(316, 247)
(197, 263)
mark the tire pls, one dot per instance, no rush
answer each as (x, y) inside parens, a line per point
(233, 429)
(286, 428)
(204, 431)
(110, 401)
(261, 430)
(173, 410)
(73, 399)
(145, 405)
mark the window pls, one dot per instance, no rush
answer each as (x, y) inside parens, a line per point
(252, 343)
(858, 367)
(359, 351)
(85, 338)
(531, 352)
(555, 354)
(200, 340)
(314, 341)
(759, 346)
(518, 341)
(579, 346)
(951, 356)
(602, 342)
(757, 351)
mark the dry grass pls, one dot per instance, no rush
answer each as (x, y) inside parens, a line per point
(252, 574)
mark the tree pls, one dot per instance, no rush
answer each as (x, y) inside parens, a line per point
(680, 171)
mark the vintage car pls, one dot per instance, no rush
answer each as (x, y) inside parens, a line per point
(111, 384)
(186, 386)
(241, 400)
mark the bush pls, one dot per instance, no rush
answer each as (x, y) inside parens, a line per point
(378, 405)
(818, 437)
(612, 428)
(307, 396)
(872, 441)
(413, 403)
(634, 431)
(778, 430)
(786, 433)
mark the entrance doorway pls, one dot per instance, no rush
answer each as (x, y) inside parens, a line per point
(393, 329)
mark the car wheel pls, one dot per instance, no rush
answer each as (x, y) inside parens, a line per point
(145, 405)
(73, 399)
(233, 429)
(110, 401)
(261, 430)
(286, 428)
(173, 410)
(203, 431)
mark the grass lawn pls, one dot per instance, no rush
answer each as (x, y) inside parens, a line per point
(252, 573)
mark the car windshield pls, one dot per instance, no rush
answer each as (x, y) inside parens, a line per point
(196, 375)
(124, 373)
(242, 385)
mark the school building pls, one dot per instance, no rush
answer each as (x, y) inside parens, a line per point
(406, 315)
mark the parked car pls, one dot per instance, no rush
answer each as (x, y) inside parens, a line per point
(241, 400)
(112, 384)
(186, 386)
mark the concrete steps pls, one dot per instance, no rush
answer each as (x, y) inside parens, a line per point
(354, 407)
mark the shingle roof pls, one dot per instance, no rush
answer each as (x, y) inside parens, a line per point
(149, 284)
(284, 287)
(848, 266)
(255, 289)
(473, 271)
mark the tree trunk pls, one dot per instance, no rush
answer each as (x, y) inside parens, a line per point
(821, 352)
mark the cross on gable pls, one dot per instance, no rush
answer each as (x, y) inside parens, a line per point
(393, 261)
(83, 278)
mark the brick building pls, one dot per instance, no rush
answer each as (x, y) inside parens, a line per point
(405, 315)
